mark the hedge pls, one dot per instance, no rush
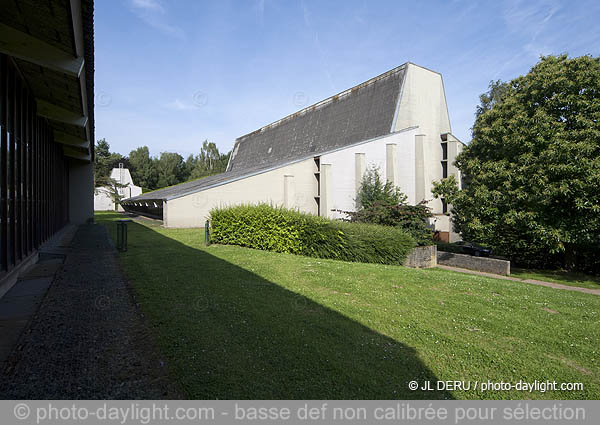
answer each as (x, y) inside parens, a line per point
(282, 230)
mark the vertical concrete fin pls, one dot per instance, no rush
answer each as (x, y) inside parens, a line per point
(359, 170)
(419, 168)
(165, 216)
(326, 199)
(391, 163)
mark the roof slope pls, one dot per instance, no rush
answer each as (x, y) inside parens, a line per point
(193, 186)
(361, 113)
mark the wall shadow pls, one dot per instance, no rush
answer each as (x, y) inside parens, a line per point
(230, 334)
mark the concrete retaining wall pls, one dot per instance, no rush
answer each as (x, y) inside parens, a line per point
(481, 264)
(422, 257)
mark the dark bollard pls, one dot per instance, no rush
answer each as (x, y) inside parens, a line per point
(207, 233)
(122, 234)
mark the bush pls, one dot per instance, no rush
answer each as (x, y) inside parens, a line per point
(282, 230)
(384, 204)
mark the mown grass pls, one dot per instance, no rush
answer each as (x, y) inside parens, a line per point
(241, 323)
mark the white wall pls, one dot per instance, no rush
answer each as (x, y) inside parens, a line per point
(121, 175)
(102, 200)
(423, 104)
(421, 118)
(193, 210)
(343, 176)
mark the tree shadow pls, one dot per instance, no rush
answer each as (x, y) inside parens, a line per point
(231, 334)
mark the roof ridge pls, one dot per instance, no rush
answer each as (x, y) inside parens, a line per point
(326, 101)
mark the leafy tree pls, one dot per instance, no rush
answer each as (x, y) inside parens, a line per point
(167, 170)
(208, 162)
(170, 169)
(101, 162)
(112, 187)
(115, 159)
(384, 204)
(188, 167)
(533, 167)
(497, 91)
(143, 170)
(372, 190)
(105, 161)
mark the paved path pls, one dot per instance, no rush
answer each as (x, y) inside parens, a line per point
(87, 339)
(531, 281)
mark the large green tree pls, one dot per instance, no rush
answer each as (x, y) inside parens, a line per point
(170, 167)
(533, 167)
(143, 170)
(208, 162)
(101, 162)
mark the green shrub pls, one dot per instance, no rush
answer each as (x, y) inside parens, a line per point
(384, 204)
(282, 230)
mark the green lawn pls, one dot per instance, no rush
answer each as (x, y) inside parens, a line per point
(558, 276)
(241, 323)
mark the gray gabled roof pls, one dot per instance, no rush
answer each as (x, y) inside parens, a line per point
(364, 112)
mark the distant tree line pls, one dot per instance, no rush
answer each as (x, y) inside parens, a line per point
(168, 169)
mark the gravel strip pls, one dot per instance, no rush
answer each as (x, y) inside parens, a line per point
(88, 340)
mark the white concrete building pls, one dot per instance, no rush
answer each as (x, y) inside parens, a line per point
(103, 199)
(314, 160)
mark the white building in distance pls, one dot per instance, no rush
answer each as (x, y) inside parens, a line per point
(103, 199)
(314, 159)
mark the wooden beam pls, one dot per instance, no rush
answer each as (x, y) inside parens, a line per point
(24, 46)
(58, 113)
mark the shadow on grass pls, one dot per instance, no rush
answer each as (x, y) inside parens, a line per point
(229, 333)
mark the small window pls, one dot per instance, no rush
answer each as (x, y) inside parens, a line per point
(444, 169)
(444, 206)
(444, 150)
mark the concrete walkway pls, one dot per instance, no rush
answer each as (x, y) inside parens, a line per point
(87, 339)
(19, 304)
(531, 281)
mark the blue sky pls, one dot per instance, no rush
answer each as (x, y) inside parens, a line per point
(170, 74)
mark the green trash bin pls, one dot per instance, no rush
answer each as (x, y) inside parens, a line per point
(122, 234)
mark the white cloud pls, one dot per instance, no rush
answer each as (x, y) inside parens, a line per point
(179, 105)
(148, 5)
(153, 13)
(260, 11)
